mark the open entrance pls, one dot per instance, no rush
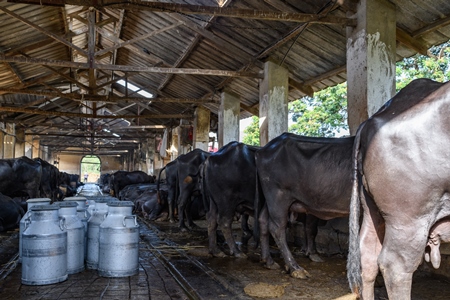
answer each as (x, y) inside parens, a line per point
(90, 169)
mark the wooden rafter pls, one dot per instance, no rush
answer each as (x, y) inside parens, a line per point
(203, 10)
(80, 115)
(184, 71)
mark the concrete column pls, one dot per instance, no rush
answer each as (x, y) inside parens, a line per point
(2, 144)
(29, 146)
(175, 145)
(230, 107)
(273, 102)
(201, 128)
(151, 149)
(36, 150)
(19, 148)
(371, 59)
(8, 141)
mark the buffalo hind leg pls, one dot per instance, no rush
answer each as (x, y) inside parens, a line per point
(311, 224)
(211, 217)
(400, 256)
(225, 223)
(266, 258)
(371, 233)
(278, 230)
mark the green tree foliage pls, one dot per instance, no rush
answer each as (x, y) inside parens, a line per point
(436, 66)
(251, 133)
(325, 114)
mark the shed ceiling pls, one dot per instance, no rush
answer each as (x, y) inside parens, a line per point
(62, 62)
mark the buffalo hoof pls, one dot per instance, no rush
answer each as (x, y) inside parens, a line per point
(300, 274)
(184, 229)
(315, 258)
(218, 254)
(273, 266)
(240, 255)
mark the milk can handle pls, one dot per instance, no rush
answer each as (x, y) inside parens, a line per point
(62, 223)
(26, 222)
(129, 217)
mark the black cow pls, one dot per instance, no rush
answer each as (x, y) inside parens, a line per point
(49, 180)
(65, 186)
(228, 186)
(10, 213)
(298, 174)
(132, 191)
(171, 170)
(20, 177)
(103, 183)
(151, 206)
(402, 179)
(188, 171)
(121, 179)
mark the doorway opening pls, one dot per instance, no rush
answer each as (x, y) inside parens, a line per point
(90, 169)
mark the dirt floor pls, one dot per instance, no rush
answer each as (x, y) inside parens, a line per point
(328, 279)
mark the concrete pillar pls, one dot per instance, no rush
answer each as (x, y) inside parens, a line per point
(151, 149)
(175, 145)
(29, 146)
(229, 110)
(8, 141)
(36, 148)
(273, 102)
(371, 59)
(19, 148)
(2, 144)
(201, 128)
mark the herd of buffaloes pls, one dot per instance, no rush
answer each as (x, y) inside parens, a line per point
(392, 179)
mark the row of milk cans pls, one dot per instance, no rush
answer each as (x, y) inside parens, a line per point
(66, 237)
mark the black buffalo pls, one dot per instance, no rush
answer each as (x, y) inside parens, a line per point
(20, 177)
(171, 182)
(66, 189)
(103, 183)
(402, 180)
(10, 213)
(121, 179)
(188, 171)
(228, 186)
(49, 184)
(298, 174)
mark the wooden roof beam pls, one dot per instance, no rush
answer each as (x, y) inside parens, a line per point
(76, 65)
(101, 98)
(92, 116)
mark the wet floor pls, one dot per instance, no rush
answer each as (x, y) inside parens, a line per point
(176, 265)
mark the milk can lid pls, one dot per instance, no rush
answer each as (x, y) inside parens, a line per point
(67, 204)
(121, 203)
(44, 207)
(32, 200)
(75, 199)
(101, 201)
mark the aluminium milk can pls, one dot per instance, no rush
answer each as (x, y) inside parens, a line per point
(44, 247)
(119, 241)
(82, 211)
(97, 217)
(83, 214)
(30, 203)
(75, 236)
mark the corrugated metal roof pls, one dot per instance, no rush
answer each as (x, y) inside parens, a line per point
(167, 48)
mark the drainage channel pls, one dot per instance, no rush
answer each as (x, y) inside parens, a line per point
(197, 280)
